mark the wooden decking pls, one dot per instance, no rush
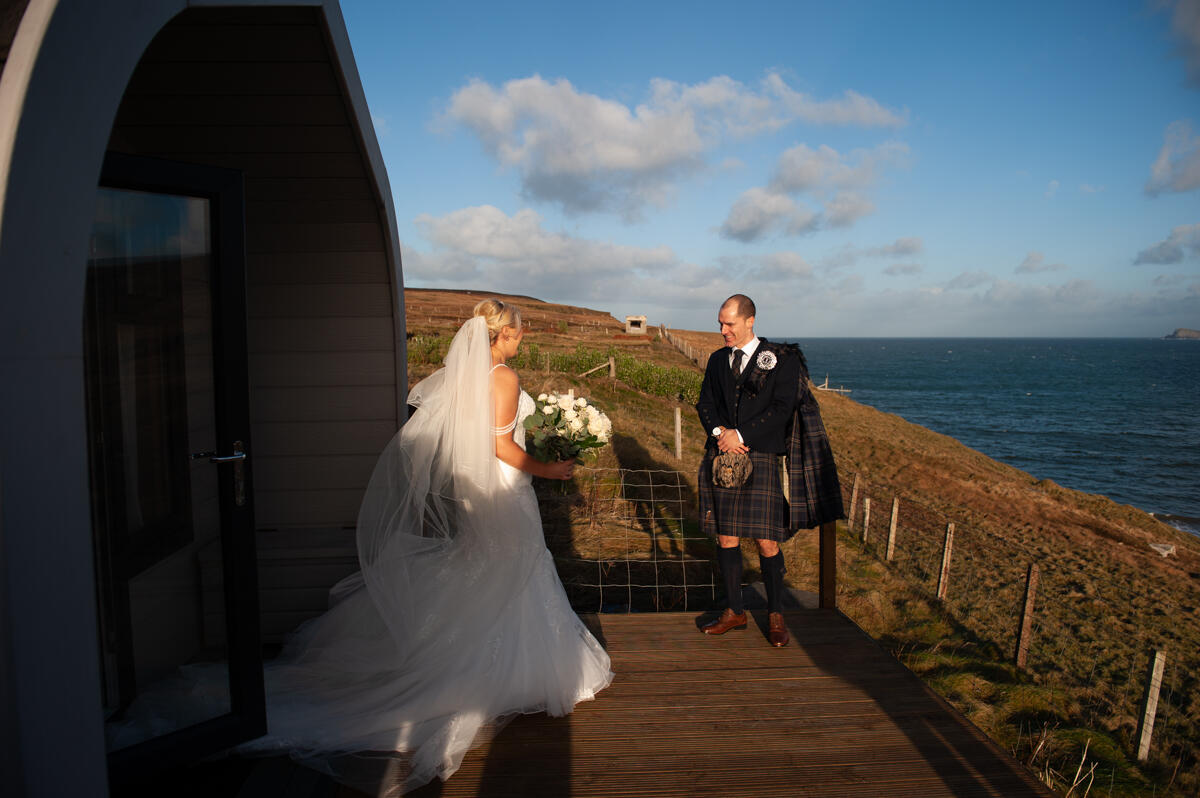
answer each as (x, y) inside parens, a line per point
(691, 715)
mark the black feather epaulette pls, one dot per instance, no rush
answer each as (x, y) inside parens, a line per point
(765, 359)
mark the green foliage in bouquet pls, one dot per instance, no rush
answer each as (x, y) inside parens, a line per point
(565, 428)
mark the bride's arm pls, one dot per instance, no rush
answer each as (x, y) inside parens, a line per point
(506, 390)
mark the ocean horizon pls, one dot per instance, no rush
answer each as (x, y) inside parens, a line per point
(1118, 417)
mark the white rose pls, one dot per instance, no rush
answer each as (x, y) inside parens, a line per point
(570, 414)
(592, 412)
(551, 400)
(575, 424)
(547, 409)
(581, 402)
(564, 400)
(542, 397)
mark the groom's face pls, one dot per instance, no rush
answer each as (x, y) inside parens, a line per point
(736, 330)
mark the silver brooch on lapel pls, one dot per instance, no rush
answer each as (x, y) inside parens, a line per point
(766, 360)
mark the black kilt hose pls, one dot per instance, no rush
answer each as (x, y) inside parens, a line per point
(759, 405)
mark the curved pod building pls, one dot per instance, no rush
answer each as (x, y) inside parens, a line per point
(202, 349)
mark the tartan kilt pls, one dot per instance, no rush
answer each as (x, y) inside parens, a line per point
(756, 510)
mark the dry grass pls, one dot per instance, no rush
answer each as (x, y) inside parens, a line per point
(1106, 600)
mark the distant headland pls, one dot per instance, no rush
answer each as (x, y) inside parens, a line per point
(1183, 332)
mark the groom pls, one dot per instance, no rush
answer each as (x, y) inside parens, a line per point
(746, 402)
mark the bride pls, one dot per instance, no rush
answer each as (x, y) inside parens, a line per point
(457, 618)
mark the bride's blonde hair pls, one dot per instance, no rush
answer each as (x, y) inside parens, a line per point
(498, 315)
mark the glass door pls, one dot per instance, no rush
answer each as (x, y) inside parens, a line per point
(169, 454)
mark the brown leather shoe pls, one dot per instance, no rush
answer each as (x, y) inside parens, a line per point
(777, 632)
(728, 620)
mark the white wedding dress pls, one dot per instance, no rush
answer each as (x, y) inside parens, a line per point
(457, 618)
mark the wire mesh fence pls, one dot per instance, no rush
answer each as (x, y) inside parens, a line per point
(623, 542)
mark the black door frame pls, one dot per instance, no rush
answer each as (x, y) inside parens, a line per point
(247, 718)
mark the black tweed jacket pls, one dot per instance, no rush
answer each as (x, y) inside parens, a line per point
(772, 405)
(759, 403)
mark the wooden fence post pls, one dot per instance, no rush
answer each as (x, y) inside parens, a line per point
(944, 575)
(891, 546)
(866, 517)
(1150, 704)
(1026, 629)
(612, 367)
(827, 579)
(853, 506)
(678, 435)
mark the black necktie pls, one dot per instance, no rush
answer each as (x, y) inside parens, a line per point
(737, 362)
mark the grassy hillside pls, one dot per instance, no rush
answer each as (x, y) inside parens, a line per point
(1105, 602)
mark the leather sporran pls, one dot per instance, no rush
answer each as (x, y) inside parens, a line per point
(731, 469)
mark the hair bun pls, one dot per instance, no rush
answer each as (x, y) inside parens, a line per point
(499, 314)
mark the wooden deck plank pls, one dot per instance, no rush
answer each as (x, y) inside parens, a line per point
(832, 714)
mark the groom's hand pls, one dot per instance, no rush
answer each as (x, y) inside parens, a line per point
(729, 441)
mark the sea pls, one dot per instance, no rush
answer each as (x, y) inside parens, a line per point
(1114, 416)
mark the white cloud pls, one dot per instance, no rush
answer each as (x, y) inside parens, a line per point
(440, 267)
(911, 245)
(1174, 249)
(1168, 280)
(1088, 188)
(1051, 188)
(1005, 308)
(758, 213)
(589, 153)
(382, 128)
(1177, 167)
(781, 266)
(900, 269)
(780, 269)
(854, 284)
(847, 207)
(849, 255)
(1035, 262)
(725, 103)
(484, 248)
(515, 254)
(852, 109)
(803, 169)
(968, 280)
(837, 182)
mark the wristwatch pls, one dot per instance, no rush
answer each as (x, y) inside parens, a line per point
(716, 431)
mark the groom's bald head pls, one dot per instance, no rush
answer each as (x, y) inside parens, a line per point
(736, 320)
(741, 305)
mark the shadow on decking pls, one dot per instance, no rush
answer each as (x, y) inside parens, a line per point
(691, 715)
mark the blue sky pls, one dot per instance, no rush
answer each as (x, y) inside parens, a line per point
(857, 168)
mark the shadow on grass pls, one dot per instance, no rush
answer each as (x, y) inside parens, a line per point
(626, 539)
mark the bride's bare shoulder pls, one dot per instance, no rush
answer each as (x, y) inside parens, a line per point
(504, 379)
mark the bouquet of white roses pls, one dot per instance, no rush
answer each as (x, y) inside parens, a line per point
(563, 428)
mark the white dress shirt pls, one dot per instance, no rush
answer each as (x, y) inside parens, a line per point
(750, 348)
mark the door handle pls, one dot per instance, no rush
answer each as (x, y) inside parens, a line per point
(238, 457)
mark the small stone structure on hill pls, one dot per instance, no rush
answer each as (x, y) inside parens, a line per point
(635, 325)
